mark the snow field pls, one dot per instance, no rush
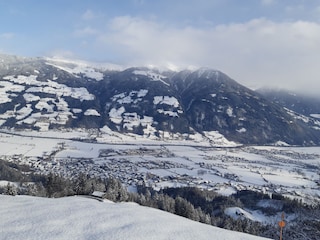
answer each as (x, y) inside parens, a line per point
(33, 88)
(25, 217)
(291, 171)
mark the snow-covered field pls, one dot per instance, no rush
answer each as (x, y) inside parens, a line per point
(25, 217)
(290, 171)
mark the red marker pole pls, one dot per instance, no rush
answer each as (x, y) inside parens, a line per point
(282, 224)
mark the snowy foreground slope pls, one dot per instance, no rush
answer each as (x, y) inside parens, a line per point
(25, 217)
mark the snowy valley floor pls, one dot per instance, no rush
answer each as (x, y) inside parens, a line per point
(289, 171)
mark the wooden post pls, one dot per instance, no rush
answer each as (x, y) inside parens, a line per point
(282, 224)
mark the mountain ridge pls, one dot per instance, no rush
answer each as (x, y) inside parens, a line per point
(298, 102)
(43, 94)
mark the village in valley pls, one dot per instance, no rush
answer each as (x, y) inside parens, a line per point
(289, 171)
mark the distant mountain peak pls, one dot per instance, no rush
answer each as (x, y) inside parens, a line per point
(47, 93)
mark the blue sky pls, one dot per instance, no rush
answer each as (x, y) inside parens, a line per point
(256, 42)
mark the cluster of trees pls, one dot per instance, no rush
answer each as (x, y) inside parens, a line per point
(55, 186)
(190, 202)
(13, 172)
(199, 205)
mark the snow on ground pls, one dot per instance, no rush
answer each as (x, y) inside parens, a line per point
(26, 146)
(226, 191)
(219, 139)
(133, 97)
(25, 217)
(84, 64)
(286, 170)
(79, 69)
(34, 89)
(167, 100)
(288, 179)
(6, 89)
(170, 113)
(256, 215)
(315, 115)
(132, 119)
(4, 183)
(92, 112)
(115, 114)
(152, 75)
(236, 213)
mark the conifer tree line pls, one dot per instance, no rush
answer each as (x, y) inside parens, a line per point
(197, 204)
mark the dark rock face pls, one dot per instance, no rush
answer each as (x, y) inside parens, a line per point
(44, 93)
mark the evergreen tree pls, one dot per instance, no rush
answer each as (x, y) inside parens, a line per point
(82, 185)
(185, 209)
(115, 191)
(11, 190)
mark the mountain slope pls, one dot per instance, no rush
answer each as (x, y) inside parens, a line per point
(213, 101)
(24, 217)
(302, 104)
(43, 94)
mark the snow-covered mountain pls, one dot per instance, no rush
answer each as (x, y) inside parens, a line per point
(297, 102)
(42, 94)
(24, 217)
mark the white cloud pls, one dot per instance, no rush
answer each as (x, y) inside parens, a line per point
(139, 2)
(86, 31)
(317, 10)
(150, 42)
(7, 35)
(268, 2)
(88, 15)
(61, 54)
(258, 52)
(295, 9)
